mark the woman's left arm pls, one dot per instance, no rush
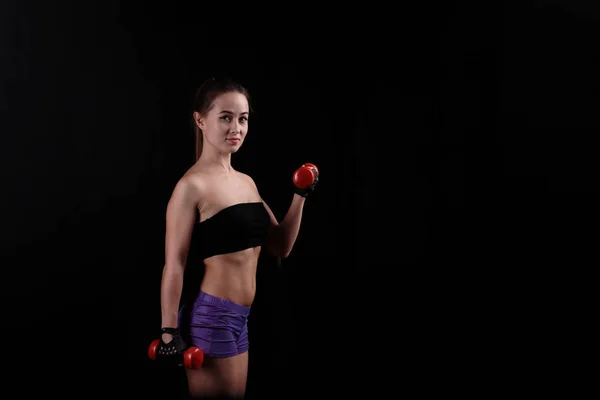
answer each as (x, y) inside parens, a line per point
(282, 235)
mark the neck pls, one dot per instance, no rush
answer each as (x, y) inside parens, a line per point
(216, 161)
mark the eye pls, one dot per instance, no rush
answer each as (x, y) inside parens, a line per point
(225, 117)
(244, 119)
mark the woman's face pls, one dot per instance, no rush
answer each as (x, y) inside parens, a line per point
(226, 124)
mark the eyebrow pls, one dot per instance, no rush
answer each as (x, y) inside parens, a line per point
(231, 112)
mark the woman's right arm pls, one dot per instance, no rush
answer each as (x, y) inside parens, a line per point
(180, 220)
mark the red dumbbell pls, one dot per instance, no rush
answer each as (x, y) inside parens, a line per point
(193, 357)
(305, 175)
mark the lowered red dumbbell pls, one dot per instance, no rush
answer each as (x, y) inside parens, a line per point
(193, 357)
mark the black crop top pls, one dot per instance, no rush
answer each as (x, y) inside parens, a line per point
(234, 228)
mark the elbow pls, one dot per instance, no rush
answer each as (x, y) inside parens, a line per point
(283, 255)
(280, 246)
(173, 269)
(285, 252)
(175, 263)
(280, 251)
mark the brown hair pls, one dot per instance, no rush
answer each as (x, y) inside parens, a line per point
(204, 102)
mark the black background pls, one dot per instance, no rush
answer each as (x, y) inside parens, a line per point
(447, 247)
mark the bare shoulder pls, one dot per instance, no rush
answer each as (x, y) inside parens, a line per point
(248, 178)
(189, 187)
(194, 179)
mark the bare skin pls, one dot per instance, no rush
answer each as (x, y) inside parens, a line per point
(208, 187)
(229, 276)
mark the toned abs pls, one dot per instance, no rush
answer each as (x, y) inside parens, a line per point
(230, 276)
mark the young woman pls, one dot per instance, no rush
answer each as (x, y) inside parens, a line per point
(223, 209)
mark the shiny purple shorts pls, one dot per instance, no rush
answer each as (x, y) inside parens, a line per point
(217, 326)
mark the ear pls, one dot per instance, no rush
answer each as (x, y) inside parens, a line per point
(199, 120)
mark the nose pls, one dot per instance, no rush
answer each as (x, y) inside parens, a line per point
(235, 127)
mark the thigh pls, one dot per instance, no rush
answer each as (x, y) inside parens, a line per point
(233, 373)
(242, 341)
(204, 383)
(215, 331)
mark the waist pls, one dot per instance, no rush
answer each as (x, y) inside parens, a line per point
(230, 247)
(232, 276)
(205, 298)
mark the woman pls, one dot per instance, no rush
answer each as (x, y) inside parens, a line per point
(224, 210)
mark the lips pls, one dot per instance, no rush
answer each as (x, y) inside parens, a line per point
(233, 140)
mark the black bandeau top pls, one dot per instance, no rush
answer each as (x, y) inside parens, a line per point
(234, 228)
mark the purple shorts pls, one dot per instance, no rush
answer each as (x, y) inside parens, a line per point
(217, 326)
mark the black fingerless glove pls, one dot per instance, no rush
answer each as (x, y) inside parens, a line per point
(172, 350)
(305, 192)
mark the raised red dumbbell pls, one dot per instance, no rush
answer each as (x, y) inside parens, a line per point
(193, 357)
(305, 176)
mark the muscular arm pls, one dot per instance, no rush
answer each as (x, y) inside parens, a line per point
(180, 219)
(282, 235)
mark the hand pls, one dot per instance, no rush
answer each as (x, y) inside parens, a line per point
(166, 337)
(171, 349)
(171, 344)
